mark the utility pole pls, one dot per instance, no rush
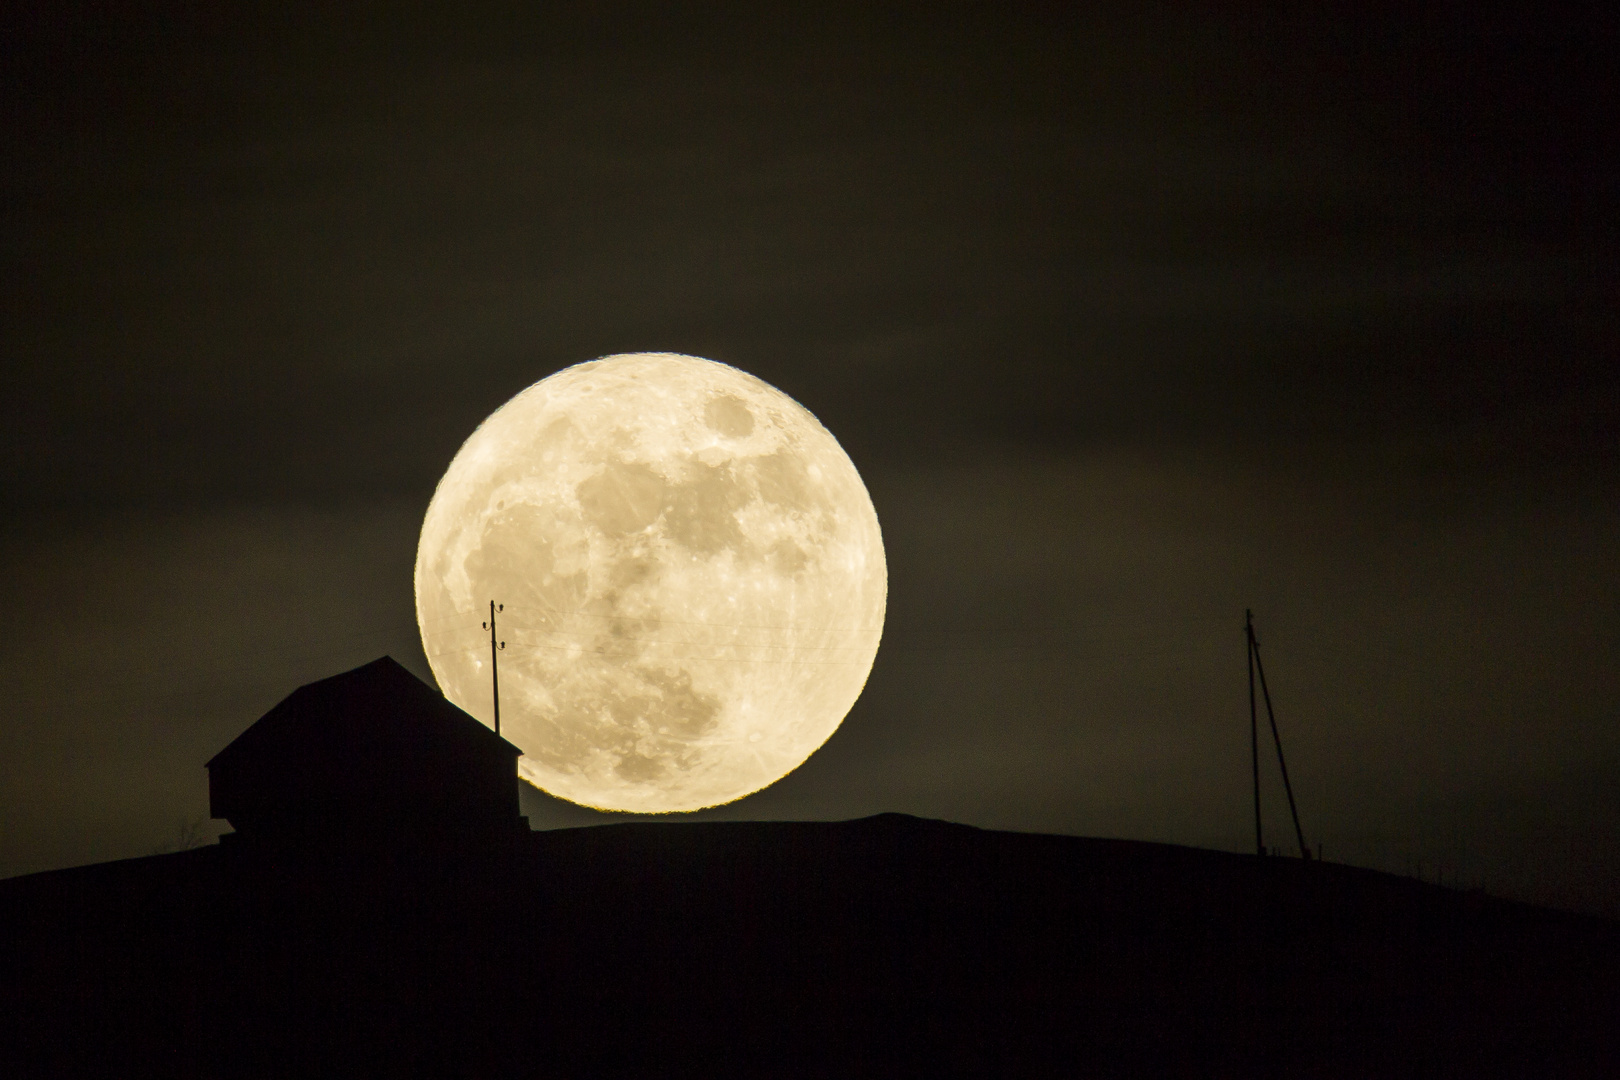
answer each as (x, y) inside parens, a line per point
(495, 666)
(1256, 666)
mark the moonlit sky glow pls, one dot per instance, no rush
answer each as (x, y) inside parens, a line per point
(1132, 316)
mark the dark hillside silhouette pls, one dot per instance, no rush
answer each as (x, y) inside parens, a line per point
(883, 947)
(888, 946)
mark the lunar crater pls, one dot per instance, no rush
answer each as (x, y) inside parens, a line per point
(728, 415)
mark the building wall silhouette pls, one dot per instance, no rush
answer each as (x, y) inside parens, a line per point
(372, 755)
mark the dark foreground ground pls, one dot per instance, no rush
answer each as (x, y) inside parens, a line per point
(884, 947)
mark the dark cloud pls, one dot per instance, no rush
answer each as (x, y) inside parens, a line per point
(1132, 318)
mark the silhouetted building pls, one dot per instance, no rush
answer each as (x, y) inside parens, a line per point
(372, 755)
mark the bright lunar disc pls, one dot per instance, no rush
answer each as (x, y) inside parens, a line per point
(692, 575)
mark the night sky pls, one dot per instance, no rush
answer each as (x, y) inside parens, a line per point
(1131, 318)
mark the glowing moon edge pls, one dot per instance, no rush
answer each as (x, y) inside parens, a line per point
(692, 573)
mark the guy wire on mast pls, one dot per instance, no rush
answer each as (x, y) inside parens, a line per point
(1255, 666)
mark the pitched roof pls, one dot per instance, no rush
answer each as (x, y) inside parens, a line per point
(370, 709)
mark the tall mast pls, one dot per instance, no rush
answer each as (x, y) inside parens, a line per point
(1254, 730)
(1256, 666)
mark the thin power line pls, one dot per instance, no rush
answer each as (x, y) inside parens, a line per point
(696, 659)
(707, 644)
(583, 614)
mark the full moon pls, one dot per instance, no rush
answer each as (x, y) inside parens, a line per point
(690, 573)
